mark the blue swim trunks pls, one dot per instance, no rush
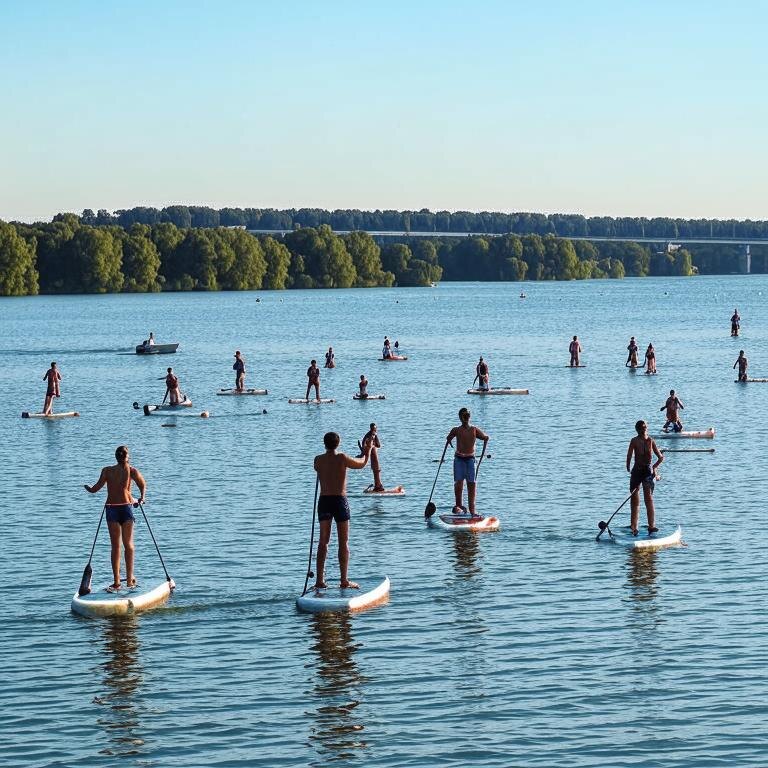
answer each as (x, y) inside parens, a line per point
(333, 508)
(120, 513)
(463, 468)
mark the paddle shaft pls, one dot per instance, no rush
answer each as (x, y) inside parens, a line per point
(93, 546)
(434, 485)
(482, 456)
(311, 539)
(149, 528)
(631, 494)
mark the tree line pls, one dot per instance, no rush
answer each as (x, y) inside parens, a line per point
(69, 256)
(424, 220)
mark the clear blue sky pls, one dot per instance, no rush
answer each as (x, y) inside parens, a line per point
(641, 108)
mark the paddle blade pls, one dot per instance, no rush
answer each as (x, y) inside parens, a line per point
(430, 510)
(85, 582)
(601, 525)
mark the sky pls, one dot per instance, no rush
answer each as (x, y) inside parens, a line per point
(601, 108)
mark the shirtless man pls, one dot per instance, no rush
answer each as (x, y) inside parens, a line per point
(172, 387)
(464, 460)
(313, 380)
(482, 374)
(387, 351)
(119, 512)
(363, 387)
(53, 377)
(575, 349)
(330, 358)
(239, 369)
(673, 419)
(735, 322)
(370, 445)
(331, 468)
(743, 364)
(632, 357)
(650, 360)
(642, 473)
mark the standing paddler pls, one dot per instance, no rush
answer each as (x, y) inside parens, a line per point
(482, 374)
(743, 364)
(632, 349)
(239, 369)
(52, 377)
(331, 468)
(172, 388)
(119, 512)
(313, 380)
(735, 322)
(672, 406)
(575, 350)
(363, 386)
(650, 360)
(642, 448)
(466, 436)
(370, 445)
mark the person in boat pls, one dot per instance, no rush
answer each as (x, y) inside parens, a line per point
(482, 374)
(172, 387)
(363, 385)
(643, 473)
(575, 349)
(313, 380)
(52, 377)
(151, 340)
(331, 468)
(330, 358)
(672, 406)
(386, 352)
(735, 322)
(371, 444)
(743, 364)
(466, 435)
(650, 360)
(239, 369)
(632, 349)
(119, 512)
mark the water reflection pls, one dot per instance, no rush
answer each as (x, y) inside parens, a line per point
(642, 577)
(338, 728)
(123, 677)
(466, 554)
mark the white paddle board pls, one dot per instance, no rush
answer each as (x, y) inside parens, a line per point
(373, 591)
(497, 391)
(64, 415)
(369, 397)
(242, 392)
(125, 602)
(463, 523)
(666, 537)
(703, 434)
(398, 490)
(304, 401)
(393, 359)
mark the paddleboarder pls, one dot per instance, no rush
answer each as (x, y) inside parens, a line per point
(52, 377)
(371, 444)
(735, 322)
(172, 387)
(632, 350)
(642, 448)
(650, 360)
(331, 468)
(239, 369)
(482, 374)
(313, 380)
(575, 349)
(363, 385)
(466, 435)
(119, 512)
(743, 364)
(330, 358)
(387, 350)
(672, 406)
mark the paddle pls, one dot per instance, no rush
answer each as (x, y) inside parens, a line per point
(430, 509)
(85, 582)
(149, 528)
(604, 526)
(311, 540)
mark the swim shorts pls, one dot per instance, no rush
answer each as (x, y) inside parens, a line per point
(641, 476)
(333, 508)
(120, 513)
(463, 468)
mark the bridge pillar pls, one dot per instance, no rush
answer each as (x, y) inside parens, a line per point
(745, 260)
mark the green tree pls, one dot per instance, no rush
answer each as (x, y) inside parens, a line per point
(617, 269)
(278, 259)
(248, 267)
(683, 263)
(395, 258)
(326, 259)
(193, 264)
(18, 275)
(366, 256)
(94, 259)
(141, 261)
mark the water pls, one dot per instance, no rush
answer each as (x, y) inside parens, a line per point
(530, 647)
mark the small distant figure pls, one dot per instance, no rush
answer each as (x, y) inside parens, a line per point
(172, 388)
(735, 322)
(575, 349)
(386, 352)
(466, 436)
(363, 385)
(482, 374)
(397, 347)
(650, 360)
(239, 369)
(151, 340)
(313, 380)
(330, 358)
(53, 377)
(672, 406)
(370, 445)
(642, 448)
(632, 356)
(743, 364)
(522, 295)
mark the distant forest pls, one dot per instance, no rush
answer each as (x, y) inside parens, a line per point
(183, 248)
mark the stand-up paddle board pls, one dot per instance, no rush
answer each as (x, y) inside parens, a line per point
(751, 381)
(704, 434)
(242, 392)
(497, 391)
(666, 537)
(64, 415)
(374, 591)
(575, 366)
(185, 403)
(125, 602)
(369, 397)
(393, 358)
(464, 523)
(149, 411)
(304, 401)
(398, 490)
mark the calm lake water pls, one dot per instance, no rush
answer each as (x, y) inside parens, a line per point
(533, 646)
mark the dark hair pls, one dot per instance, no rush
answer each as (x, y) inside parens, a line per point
(314, 362)
(373, 424)
(331, 440)
(121, 452)
(639, 426)
(53, 364)
(464, 412)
